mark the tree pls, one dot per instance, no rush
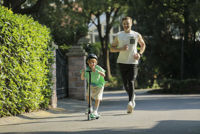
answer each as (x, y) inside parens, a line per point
(112, 9)
(20, 6)
(65, 21)
(62, 17)
(68, 24)
(161, 23)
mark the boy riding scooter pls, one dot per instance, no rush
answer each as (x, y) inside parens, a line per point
(96, 74)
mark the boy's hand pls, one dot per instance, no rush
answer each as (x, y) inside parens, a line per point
(101, 73)
(97, 71)
(83, 70)
(82, 74)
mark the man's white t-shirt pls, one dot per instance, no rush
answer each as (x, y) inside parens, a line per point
(130, 39)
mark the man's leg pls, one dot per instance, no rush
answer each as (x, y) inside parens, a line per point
(131, 81)
(131, 87)
(123, 71)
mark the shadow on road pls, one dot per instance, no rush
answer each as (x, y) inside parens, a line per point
(117, 101)
(162, 127)
(149, 102)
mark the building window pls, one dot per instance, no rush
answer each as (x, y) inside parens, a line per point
(97, 38)
(95, 30)
(114, 37)
(115, 29)
(104, 28)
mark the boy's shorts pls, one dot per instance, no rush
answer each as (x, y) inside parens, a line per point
(96, 92)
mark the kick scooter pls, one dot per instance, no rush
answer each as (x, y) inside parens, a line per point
(90, 116)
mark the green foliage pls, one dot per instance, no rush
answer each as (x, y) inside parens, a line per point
(24, 64)
(66, 22)
(163, 38)
(114, 83)
(111, 10)
(93, 48)
(96, 49)
(181, 86)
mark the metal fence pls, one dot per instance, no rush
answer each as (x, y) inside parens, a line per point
(61, 75)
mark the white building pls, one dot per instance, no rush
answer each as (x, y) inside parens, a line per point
(93, 35)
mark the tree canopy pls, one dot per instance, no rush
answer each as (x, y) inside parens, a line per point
(170, 29)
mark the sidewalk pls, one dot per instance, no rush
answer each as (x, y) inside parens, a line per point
(154, 114)
(65, 106)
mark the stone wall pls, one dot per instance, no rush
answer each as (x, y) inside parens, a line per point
(76, 61)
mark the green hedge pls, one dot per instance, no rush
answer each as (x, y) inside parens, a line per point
(181, 86)
(25, 60)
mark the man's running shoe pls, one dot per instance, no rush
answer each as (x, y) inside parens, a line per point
(130, 107)
(133, 101)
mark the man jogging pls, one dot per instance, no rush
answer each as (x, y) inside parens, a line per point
(126, 44)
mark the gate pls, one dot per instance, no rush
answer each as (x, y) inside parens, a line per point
(61, 75)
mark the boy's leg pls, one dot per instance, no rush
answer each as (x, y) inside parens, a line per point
(93, 95)
(91, 108)
(87, 97)
(97, 102)
(98, 95)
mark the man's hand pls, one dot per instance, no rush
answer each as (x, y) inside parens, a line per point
(136, 56)
(125, 48)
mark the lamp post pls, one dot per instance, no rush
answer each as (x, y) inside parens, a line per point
(182, 54)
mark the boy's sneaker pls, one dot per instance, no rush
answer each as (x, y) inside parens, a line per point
(96, 115)
(130, 107)
(87, 110)
(92, 116)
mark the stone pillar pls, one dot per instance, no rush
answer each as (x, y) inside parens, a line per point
(53, 70)
(76, 61)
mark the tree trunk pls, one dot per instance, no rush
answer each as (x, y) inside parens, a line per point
(106, 62)
(108, 65)
(186, 25)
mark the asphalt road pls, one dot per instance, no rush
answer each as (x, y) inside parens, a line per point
(154, 114)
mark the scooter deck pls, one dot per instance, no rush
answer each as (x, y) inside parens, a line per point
(93, 117)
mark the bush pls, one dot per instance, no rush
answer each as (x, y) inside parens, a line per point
(115, 83)
(181, 86)
(93, 48)
(24, 64)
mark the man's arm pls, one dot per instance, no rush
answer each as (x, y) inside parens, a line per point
(142, 45)
(114, 46)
